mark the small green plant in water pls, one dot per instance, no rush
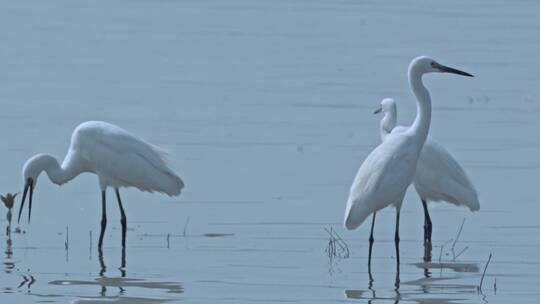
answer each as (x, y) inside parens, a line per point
(9, 201)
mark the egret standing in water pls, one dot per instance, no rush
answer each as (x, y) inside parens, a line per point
(439, 177)
(389, 169)
(117, 157)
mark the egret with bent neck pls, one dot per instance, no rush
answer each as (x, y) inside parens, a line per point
(117, 157)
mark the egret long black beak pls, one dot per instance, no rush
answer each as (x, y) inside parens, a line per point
(446, 69)
(379, 110)
(28, 186)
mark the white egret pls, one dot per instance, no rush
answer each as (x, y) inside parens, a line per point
(439, 177)
(117, 157)
(385, 174)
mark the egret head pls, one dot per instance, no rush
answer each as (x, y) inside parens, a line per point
(31, 171)
(388, 105)
(424, 64)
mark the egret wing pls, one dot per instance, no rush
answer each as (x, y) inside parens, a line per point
(125, 160)
(440, 177)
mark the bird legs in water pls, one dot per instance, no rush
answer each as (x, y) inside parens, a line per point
(396, 237)
(371, 240)
(427, 233)
(396, 240)
(103, 219)
(123, 219)
(427, 223)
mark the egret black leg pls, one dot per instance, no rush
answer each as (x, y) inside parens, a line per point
(103, 218)
(123, 263)
(370, 286)
(102, 270)
(397, 283)
(371, 240)
(427, 223)
(427, 233)
(396, 238)
(123, 219)
(102, 266)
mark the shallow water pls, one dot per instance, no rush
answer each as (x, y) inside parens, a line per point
(266, 109)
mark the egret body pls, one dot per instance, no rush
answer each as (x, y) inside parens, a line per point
(438, 177)
(117, 157)
(389, 169)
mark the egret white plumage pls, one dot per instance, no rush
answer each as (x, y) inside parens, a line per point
(438, 177)
(389, 169)
(117, 157)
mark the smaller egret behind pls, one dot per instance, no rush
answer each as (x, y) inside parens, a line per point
(438, 177)
(117, 157)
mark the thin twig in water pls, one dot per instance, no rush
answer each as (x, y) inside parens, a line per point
(25, 279)
(440, 259)
(448, 241)
(185, 226)
(336, 247)
(31, 281)
(458, 235)
(90, 245)
(331, 247)
(461, 252)
(342, 244)
(484, 274)
(66, 243)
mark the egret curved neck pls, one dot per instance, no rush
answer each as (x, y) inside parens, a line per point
(422, 121)
(56, 173)
(388, 122)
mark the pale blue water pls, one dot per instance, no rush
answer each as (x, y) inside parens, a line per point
(266, 109)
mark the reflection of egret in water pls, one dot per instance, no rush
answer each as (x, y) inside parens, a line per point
(370, 285)
(371, 293)
(122, 268)
(103, 270)
(120, 282)
(396, 285)
(421, 290)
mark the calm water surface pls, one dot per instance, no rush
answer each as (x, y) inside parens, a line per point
(266, 109)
